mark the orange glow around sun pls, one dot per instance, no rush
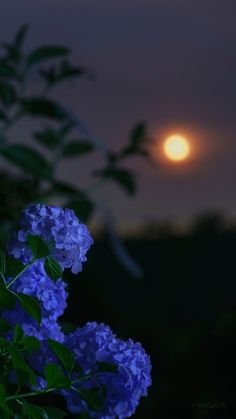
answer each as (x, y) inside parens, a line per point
(176, 148)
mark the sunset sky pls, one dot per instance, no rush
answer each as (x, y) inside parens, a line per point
(171, 63)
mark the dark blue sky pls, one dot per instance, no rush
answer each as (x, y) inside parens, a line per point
(169, 62)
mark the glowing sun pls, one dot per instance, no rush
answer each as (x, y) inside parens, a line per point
(176, 148)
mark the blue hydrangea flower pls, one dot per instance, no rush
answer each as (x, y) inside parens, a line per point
(69, 240)
(47, 329)
(96, 342)
(52, 296)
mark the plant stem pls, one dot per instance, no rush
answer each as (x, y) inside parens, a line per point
(3, 278)
(33, 393)
(47, 390)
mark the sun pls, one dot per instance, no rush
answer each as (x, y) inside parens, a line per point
(176, 148)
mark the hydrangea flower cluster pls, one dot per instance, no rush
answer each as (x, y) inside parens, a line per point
(60, 228)
(97, 343)
(69, 241)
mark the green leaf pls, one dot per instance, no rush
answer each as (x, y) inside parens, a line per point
(41, 107)
(138, 133)
(7, 299)
(55, 377)
(3, 139)
(23, 371)
(7, 70)
(107, 367)
(31, 411)
(14, 50)
(30, 305)
(48, 138)
(7, 94)
(38, 246)
(62, 72)
(84, 415)
(51, 138)
(2, 263)
(30, 344)
(13, 54)
(64, 188)
(18, 333)
(45, 53)
(121, 176)
(54, 413)
(137, 143)
(52, 268)
(92, 397)
(3, 403)
(82, 206)
(64, 355)
(13, 266)
(3, 116)
(75, 148)
(4, 326)
(20, 36)
(27, 159)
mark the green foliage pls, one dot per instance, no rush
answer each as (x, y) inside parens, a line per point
(3, 403)
(44, 108)
(55, 377)
(54, 413)
(38, 246)
(30, 305)
(59, 138)
(93, 397)
(7, 94)
(20, 37)
(45, 53)
(64, 71)
(52, 268)
(18, 334)
(2, 263)
(4, 326)
(83, 207)
(49, 138)
(14, 50)
(120, 176)
(138, 135)
(64, 355)
(27, 159)
(3, 116)
(13, 357)
(6, 70)
(31, 411)
(24, 373)
(13, 266)
(76, 148)
(30, 344)
(7, 298)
